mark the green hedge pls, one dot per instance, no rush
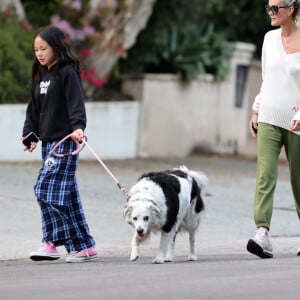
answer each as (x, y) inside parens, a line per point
(16, 58)
(189, 38)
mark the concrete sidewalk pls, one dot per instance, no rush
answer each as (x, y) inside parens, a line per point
(226, 225)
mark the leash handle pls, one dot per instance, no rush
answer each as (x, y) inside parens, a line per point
(79, 147)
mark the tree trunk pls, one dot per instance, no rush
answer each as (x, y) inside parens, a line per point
(16, 4)
(120, 34)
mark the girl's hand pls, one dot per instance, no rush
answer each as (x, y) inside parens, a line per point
(253, 125)
(77, 135)
(32, 146)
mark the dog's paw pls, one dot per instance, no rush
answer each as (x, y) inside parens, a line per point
(192, 257)
(158, 260)
(133, 257)
(168, 259)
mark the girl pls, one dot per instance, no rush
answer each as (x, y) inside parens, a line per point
(56, 109)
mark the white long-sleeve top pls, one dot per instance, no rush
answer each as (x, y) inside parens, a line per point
(278, 102)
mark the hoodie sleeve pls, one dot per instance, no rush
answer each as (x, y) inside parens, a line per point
(74, 99)
(32, 116)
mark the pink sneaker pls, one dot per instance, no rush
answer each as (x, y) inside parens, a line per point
(83, 256)
(47, 251)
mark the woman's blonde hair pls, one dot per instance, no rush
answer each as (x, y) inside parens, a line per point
(295, 4)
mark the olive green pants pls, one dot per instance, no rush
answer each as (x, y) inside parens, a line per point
(270, 140)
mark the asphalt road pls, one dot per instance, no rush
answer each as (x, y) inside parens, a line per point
(224, 269)
(224, 276)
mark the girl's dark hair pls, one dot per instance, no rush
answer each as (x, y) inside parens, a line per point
(64, 56)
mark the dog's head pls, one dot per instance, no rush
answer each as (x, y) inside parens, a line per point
(141, 214)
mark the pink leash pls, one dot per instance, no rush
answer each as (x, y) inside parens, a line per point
(79, 149)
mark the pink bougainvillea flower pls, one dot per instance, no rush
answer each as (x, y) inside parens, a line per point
(63, 25)
(98, 82)
(108, 3)
(25, 25)
(8, 13)
(90, 75)
(82, 74)
(85, 52)
(76, 4)
(89, 30)
(84, 32)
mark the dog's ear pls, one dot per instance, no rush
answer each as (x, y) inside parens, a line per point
(127, 213)
(154, 209)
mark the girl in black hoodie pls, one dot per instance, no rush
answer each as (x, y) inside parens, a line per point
(57, 109)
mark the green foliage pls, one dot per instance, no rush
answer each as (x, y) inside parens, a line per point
(185, 51)
(245, 20)
(39, 12)
(189, 37)
(15, 59)
(177, 42)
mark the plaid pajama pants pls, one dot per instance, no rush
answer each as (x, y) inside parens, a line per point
(63, 219)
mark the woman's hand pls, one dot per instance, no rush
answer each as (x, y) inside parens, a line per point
(253, 125)
(295, 125)
(77, 135)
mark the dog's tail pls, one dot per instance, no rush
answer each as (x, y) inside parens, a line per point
(200, 177)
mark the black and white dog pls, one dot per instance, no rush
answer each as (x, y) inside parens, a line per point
(166, 202)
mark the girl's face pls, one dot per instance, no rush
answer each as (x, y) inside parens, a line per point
(44, 52)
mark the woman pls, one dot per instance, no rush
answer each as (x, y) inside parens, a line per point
(56, 109)
(275, 121)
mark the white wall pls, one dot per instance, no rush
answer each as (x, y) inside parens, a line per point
(176, 118)
(112, 131)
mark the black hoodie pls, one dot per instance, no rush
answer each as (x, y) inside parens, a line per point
(56, 107)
